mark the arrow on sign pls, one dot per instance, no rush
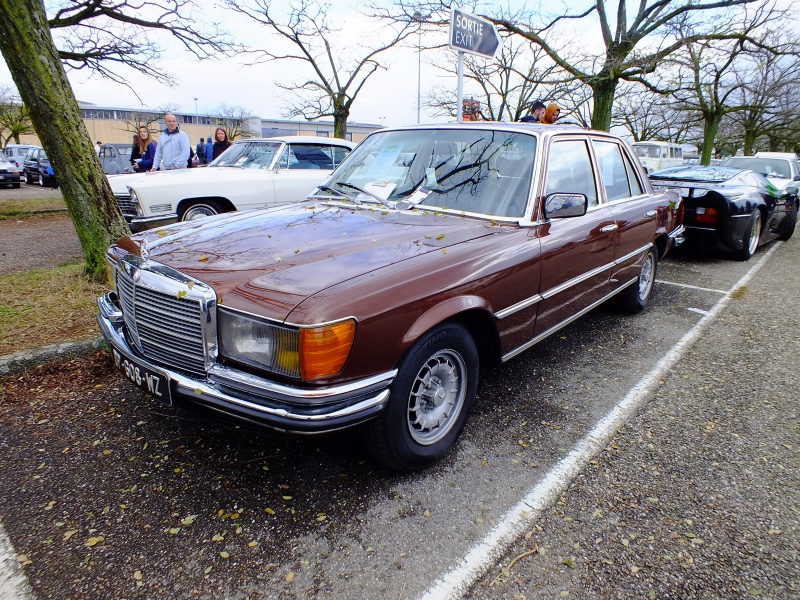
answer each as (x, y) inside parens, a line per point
(472, 34)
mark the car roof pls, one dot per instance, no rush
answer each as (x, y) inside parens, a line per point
(299, 139)
(786, 155)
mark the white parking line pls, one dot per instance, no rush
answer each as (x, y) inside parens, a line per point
(13, 585)
(521, 517)
(691, 287)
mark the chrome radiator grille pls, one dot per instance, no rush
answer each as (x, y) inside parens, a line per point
(127, 207)
(164, 328)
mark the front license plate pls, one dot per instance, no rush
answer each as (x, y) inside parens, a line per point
(150, 381)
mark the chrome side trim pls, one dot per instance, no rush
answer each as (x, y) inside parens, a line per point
(502, 314)
(564, 323)
(576, 280)
(633, 254)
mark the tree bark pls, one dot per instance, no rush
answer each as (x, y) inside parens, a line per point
(36, 68)
(710, 126)
(603, 92)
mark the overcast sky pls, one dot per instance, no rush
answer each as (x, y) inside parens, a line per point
(389, 97)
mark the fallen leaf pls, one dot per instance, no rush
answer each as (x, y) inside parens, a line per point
(207, 570)
(181, 294)
(175, 530)
(70, 533)
(161, 231)
(269, 511)
(440, 237)
(93, 541)
(224, 554)
(188, 520)
(217, 538)
(252, 544)
(203, 258)
(137, 575)
(289, 577)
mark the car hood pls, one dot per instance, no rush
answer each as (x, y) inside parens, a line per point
(268, 261)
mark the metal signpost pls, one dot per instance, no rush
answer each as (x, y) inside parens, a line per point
(472, 34)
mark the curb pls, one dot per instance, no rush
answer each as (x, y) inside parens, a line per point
(27, 359)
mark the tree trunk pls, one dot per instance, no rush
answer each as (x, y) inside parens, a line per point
(710, 127)
(36, 68)
(603, 92)
(340, 116)
(749, 141)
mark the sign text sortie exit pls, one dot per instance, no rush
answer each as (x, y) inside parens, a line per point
(469, 33)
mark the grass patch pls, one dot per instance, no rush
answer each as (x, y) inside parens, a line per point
(47, 306)
(48, 200)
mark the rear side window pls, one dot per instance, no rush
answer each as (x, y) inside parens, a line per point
(616, 171)
(569, 170)
(310, 156)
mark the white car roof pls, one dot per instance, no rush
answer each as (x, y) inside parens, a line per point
(299, 139)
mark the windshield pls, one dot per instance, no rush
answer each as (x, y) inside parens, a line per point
(697, 173)
(768, 167)
(475, 171)
(647, 150)
(248, 155)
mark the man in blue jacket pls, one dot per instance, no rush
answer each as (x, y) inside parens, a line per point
(200, 150)
(209, 150)
(173, 146)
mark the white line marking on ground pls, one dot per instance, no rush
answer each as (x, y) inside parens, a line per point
(691, 287)
(521, 517)
(699, 311)
(13, 585)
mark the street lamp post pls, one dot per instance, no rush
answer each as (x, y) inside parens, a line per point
(195, 106)
(418, 18)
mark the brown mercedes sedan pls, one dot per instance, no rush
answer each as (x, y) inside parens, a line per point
(429, 251)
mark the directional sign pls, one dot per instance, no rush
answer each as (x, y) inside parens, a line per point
(469, 33)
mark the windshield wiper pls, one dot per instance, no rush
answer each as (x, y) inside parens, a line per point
(339, 193)
(358, 189)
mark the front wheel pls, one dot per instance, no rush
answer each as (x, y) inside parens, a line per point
(751, 237)
(41, 180)
(634, 298)
(28, 179)
(429, 403)
(199, 209)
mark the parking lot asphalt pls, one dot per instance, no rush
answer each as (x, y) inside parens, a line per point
(105, 493)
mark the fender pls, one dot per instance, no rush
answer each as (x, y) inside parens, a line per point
(441, 312)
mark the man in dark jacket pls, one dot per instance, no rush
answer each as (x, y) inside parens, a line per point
(536, 114)
(201, 151)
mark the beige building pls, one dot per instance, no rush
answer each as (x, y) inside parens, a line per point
(117, 125)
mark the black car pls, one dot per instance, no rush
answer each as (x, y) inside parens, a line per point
(38, 169)
(737, 209)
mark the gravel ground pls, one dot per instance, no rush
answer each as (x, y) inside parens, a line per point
(37, 242)
(697, 497)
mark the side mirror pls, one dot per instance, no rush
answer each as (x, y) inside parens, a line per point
(557, 206)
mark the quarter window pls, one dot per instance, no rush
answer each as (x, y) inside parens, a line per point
(569, 170)
(617, 174)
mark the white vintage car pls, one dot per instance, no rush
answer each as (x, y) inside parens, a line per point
(252, 173)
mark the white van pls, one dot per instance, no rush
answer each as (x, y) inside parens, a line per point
(655, 156)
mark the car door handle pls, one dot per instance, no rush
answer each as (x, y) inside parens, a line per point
(651, 213)
(609, 228)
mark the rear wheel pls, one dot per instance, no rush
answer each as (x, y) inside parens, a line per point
(41, 180)
(199, 209)
(789, 224)
(15, 185)
(634, 298)
(429, 403)
(751, 237)
(28, 179)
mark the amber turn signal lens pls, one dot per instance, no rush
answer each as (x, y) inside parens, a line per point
(324, 350)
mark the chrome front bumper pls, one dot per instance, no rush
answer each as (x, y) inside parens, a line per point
(231, 393)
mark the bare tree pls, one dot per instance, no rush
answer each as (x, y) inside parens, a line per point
(103, 35)
(15, 120)
(649, 115)
(35, 65)
(505, 86)
(234, 120)
(335, 80)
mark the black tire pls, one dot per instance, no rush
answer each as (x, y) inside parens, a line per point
(751, 237)
(15, 185)
(414, 431)
(635, 297)
(789, 224)
(28, 179)
(41, 180)
(198, 209)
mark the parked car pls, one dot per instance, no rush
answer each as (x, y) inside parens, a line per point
(780, 169)
(655, 156)
(116, 158)
(9, 172)
(16, 153)
(252, 173)
(38, 169)
(735, 208)
(430, 251)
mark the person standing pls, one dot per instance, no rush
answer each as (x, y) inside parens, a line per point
(147, 150)
(173, 147)
(221, 142)
(536, 114)
(209, 150)
(135, 153)
(551, 114)
(200, 150)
